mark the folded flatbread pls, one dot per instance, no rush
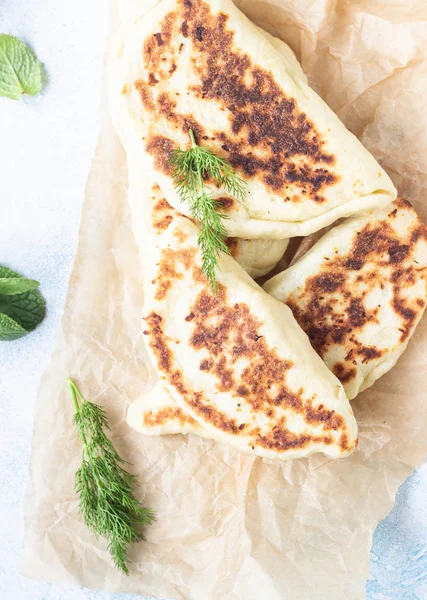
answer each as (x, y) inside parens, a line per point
(360, 291)
(235, 362)
(202, 65)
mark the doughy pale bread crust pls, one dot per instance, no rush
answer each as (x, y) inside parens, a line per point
(360, 291)
(157, 413)
(257, 257)
(210, 69)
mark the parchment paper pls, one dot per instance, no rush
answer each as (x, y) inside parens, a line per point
(230, 526)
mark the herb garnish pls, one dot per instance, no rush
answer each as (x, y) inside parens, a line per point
(22, 307)
(190, 168)
(20, 70)
(105, 489)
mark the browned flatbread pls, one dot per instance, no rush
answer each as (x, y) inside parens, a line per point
(360, 291)
(236, 364)
(201, 65)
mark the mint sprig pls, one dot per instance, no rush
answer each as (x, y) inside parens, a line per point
(20, 70)
(16, 285)
(10, 329)
(20, 311)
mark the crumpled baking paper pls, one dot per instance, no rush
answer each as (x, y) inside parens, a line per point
(230, 526)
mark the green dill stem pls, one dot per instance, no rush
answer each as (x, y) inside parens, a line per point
(105, 489)
(190, 167)
(199, 171)
(75, 392)
(192, 138)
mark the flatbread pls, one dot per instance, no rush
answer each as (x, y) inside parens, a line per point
(236, 362)
(360, 291)
(202, 65)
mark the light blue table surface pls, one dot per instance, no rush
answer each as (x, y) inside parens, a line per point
(46, 146)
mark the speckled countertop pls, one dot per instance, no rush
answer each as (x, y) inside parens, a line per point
(45, 152)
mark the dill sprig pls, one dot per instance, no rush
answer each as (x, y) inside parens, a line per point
(190, 168)
(105, 489)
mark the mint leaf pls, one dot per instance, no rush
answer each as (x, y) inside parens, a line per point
(10, 329)
(6, 272)
(20, 312)
(20, 70)
(28, 309)
(16, 285)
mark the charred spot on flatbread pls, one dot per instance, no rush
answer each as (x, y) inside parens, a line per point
(165, 415)
(162, 215)
(160, 148)
(173, 263)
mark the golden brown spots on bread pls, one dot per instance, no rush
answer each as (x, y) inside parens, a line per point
(164, 222)
(226, 203)
(368, 353)
(281, 439)
(419, 233)
(213, 416)
(344, 445)
(173, 261)
(332, 305)
(159, 39)
(233, 245)
(320, 415)
(268, 137)
(144, 95)
(357, 315)
(160, 344)
(166, 415)
(160, 149)
(230, 335)
(205, 365)
(152, 79)
(180, 235)
(162, 205)
(155, 45)
(166, 107)
(162, 215)
(403, 203)
(158, 341)
(124, 89)
(344, 373)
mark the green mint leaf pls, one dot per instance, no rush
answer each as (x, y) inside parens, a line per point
(20, 70)
(10, 329)
(16, 285)
(20, 313)
(6, 272)
(27, 309)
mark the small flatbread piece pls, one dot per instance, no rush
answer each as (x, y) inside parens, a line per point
(360, 291)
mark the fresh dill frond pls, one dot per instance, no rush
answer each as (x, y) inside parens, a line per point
(190, 168)
(106, 490)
